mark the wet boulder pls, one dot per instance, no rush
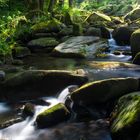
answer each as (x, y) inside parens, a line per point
(135, 42)
(126, 117)
(44, 44)
(104, 90)
(52, 116)
(122, 35)
(37, 83)
(92, 31)
(29, 109)
(79, 47)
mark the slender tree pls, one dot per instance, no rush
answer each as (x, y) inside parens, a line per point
(70, 3)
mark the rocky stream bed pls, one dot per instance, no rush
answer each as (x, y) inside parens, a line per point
(82, 87)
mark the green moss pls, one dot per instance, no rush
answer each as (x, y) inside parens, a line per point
(49, 26)
(44, 42)
(127, 112)
(52, 109)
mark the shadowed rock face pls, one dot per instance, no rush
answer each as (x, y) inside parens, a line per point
(36, 83)
(102, 91)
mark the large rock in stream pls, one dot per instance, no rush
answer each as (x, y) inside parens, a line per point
(122, 35)
(126, 117)
(36, 83)
(105, 90)
(79, 47)
(135, 42)
(45, 44)
(52, 116)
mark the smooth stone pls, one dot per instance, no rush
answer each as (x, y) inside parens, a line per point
(52, 116)
(31, 84)
(103, 91)
(79, 47)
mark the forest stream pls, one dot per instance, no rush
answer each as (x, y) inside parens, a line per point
(70, 130)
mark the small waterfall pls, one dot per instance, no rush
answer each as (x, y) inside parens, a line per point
(26, 129)
(66, 92)
(114, 47)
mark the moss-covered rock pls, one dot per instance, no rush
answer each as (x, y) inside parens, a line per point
(52, 116)
(96, 16)
(36, 83)
(126, 118)
(135, 42)
(133, 15)
(66, 31)
(136, 59)
(20, 52)
(49, 26)
(102, 91)
(46, 43)
(122, 35)
(92, 31)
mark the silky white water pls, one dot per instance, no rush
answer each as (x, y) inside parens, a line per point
(26, 130)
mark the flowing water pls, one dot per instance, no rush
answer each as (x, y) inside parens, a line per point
(97, 130)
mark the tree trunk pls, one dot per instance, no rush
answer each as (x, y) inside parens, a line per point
(41, 5)
(61, 3)
(70, 3)
(51, 6)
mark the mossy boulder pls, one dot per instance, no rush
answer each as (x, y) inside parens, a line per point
(20, 52)
(136, 59)
(52, 116)
(135, 42)
(66, 31)
(31, 84)
(133, 15)
(49, 26)
(122, 35)
(102, 91)
(45, 43)
(92, 31)
(126, 118)
(96, 16)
